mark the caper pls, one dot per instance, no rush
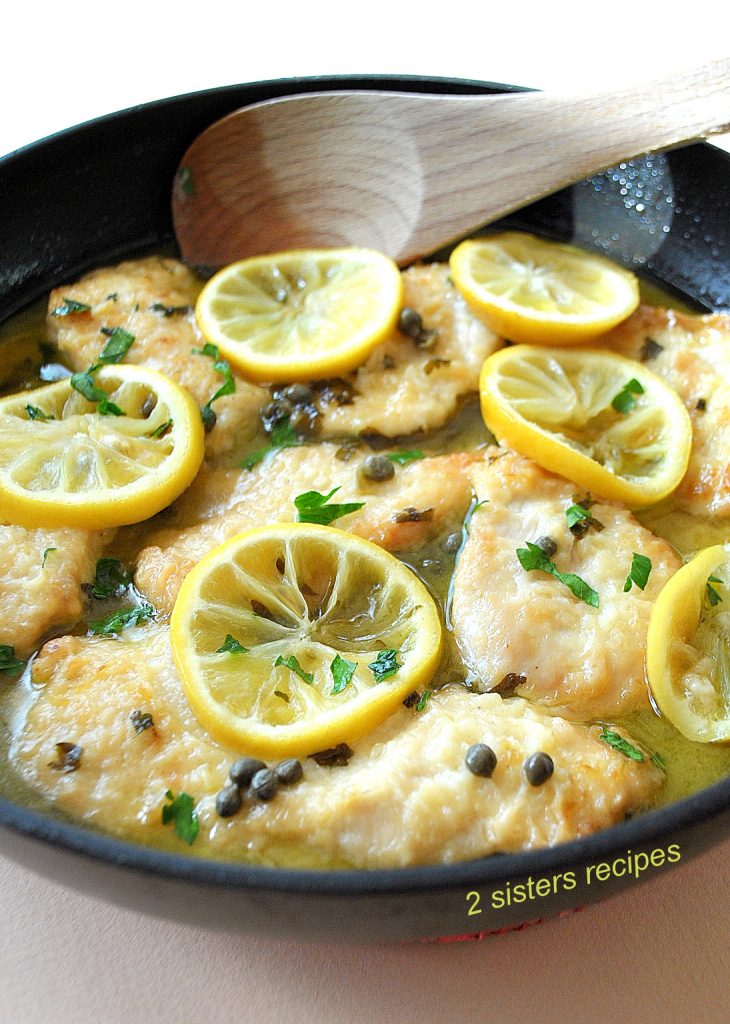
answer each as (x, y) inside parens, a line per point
(410, 322)
(209, 418)
(538, 768)
(243, 770)
(377, 467)
(289, 771)
(297, 394)
(303, 419)
(481, 760)
(264, 784)
(547, 545)
(274, 413)
(228, 800)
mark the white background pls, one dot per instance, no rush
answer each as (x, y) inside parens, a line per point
(656, 954)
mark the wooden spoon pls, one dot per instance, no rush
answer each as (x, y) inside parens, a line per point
(407, 173)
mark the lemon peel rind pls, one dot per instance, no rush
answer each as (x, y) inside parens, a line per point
(345, 724)
(545, 448)
(129, 503)
(534, 326)
(676, 614)
(341, 359)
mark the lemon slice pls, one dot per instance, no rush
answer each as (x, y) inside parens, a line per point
(603, 421)
(301, 315)
(298, 597)
(531, 290)
(688, 647)
(63, 463)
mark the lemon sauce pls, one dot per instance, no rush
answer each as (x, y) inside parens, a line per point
(689, 766)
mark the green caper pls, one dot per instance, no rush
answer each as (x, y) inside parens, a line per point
(377, 467)
(410, 322)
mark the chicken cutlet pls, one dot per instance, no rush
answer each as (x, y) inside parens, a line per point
(692, 354)
(405, 797)
(510, 623)
(420, 501)
(153, 300)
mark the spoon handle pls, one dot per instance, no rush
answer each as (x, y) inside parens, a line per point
(576, 137)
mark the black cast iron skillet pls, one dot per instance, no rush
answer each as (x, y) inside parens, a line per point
(101, 191)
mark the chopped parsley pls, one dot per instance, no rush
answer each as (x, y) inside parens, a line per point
(385, 665)
(121, 620)
(533, 557)
(291, 663)
(638, 573)
(34, 413)
(575, 514)
(423, 700)
(580, 519)
(110, 578)
(46, 553)
(312, 507)
(161, 430)
(120, 342)
(619, 743)
(8, 662)
(160, 307)
(342, 672)
(333, 757)
(231, 646)
(181, 811)
(712, 595)
(403, 458)
(228, 386)
(84, 384)
(282, 436)
(625, 400)
(70, 306)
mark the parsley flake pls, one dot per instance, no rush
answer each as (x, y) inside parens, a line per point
(121, 620)
(110, 578)
(181, 811)
(712, 595)
(625, 401)
(403, 458)
(84, 384)
(282, 436)
(221, 366)
(619, 743)
(70, 306)
(575, 514)
(34, 413)
(167, 311)
(120, 342)
(46, 553)
(160, 431)
(423, 700)
(231, 646)
(312, 507)
(533, 557)
(342, 672)
(291, 663)
(385, 665)
(638, 573)
(8, 662)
